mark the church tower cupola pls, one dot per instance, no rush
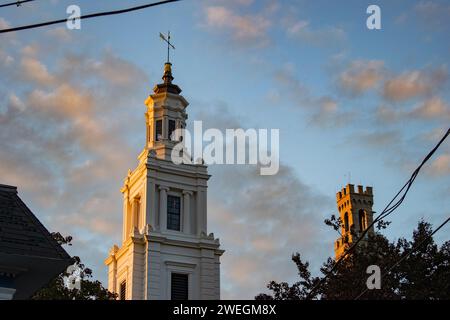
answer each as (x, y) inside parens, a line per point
(166, 112)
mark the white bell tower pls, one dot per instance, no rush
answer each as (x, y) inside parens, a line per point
(166, 251)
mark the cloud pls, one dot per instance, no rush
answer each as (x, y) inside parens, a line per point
(64, 103)
(60, 140)
(4, 24)
(34, 71)
(286, 77)
(117, 71)
(433, 15)
(250, 214)
(321, 110)
(414, 84)
(327, 113)
(16, 103)
(60, 34)
(302, 30)
(433, 135)
(433, 108)
(31, 50)
(5, 59)
(386, 114)
(440, 166)
(380, 138)
(108, 68)
(248, 30)
(361, 76)
(266, 206)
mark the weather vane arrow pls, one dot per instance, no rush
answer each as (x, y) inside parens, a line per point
(169, 44)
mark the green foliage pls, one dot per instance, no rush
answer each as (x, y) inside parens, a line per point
(425, 274)
(90, 289)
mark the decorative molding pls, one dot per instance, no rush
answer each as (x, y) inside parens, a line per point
(163, 188)
(180, 264)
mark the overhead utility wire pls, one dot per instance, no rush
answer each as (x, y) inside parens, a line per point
(15, 3)
(88, 16)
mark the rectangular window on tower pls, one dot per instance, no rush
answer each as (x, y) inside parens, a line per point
(173, 213)
(123, 290)
(171, 129)
(158, 130)
(179, 286)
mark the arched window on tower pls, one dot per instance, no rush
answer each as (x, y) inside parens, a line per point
(158, 132)
(346, 222)
(171, 130)
(362, 220)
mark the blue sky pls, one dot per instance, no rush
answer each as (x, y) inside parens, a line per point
(346, 100)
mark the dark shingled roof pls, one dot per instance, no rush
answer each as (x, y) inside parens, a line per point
(21, 233)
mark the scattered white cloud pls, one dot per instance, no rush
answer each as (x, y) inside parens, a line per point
(60, 34)
(441, 165)
(361, 76)
(324, 36)
(270, 205)
(35, 71)
(416, 83)
(245, 29)
(16, 103)
(60, 141)
(4, 24)
(433, 108)
(433, 15)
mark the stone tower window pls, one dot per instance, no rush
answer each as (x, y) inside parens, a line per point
(171, 129)
(159, 130)
(362, 220)
(173, 213)
(123, 290)
(179, 286)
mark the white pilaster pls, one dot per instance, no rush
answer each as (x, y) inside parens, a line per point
(187, 211)
(125, 216)
(150, 207)
(163, 207)
(133, 216)
(201, 211)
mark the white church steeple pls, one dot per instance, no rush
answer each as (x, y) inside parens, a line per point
(166, 112)
(166, 251)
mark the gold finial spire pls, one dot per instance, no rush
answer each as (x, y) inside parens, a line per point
(167, 77)
(167, 85)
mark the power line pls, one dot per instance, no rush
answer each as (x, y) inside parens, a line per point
(88, 16)
(15, 3)
(408, 254)
(386, 212)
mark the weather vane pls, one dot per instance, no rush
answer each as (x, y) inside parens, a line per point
(169, 45)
